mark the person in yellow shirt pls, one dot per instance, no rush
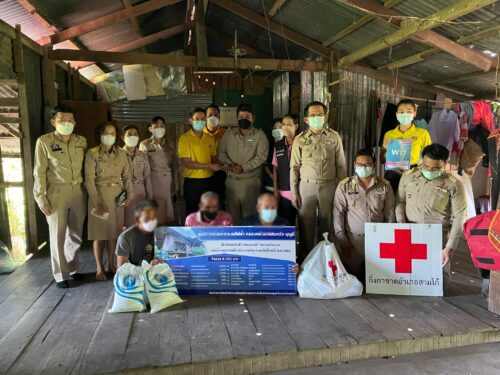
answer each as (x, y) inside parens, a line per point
(198, 154)
(405, 113)
(214, 130)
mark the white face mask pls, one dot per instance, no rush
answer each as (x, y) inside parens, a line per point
(212, 123)
(132, 141)
(108, 139)
(158, 132)
(65, 127)
(150, 225)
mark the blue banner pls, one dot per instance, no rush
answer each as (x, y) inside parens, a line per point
(229, 260)
(398, 154)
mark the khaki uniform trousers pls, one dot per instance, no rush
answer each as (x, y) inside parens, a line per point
(69, 205)
(316, 212)
(241, 197)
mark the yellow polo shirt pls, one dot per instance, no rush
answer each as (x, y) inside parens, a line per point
(420, 139)
(217, 135)
(199, 150)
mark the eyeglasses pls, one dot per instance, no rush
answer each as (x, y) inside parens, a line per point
(363, 165)
(316, 115)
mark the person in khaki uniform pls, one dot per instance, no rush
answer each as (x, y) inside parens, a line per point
(243, 151)
(107, 175)
(60, 194)
(161, 155)
(317, 164)
(429, 195)
(359, 199)
(140, 170)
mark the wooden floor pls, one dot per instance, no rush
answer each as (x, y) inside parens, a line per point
(45, 330)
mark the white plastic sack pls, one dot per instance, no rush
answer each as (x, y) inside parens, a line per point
(129, 289)
(160, 286)
(323, 275)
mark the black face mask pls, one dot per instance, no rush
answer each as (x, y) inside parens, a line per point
(244, 123)
(208, 216)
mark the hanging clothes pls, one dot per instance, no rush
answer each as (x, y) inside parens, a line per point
(494, 159)
(468, 109)
(483, 115)
(444, 128)
(389, 121)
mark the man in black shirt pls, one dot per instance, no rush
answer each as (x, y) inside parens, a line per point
(137, 242)
(267, 213)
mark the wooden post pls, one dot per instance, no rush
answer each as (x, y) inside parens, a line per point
(76, 84)
(69, 82)
(494, 294)
(26, 144)
(48, 79)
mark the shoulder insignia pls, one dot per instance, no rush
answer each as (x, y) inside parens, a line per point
(94, 150)
(385, 181)
(345, 180)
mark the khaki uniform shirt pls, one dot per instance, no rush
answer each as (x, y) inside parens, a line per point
(354, 206)
(249, 151)
(107, 169)
(162, 160)
(141, 172)
(440, 201)
(316, 158)
(57, 162)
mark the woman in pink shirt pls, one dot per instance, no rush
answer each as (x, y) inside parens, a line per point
(209, 214)
(281, 172)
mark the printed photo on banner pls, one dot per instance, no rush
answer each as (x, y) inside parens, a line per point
(398, 154)
(403, 259)
(229, 260)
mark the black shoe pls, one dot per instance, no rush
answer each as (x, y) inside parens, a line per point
(78, 276)
(63, 284)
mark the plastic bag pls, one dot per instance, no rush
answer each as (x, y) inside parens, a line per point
(7, 264)
(129, 289)
(160, 286)
(323, 275)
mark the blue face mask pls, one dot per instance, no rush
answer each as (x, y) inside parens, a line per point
(364, 172)
(268, 216)
(431, 175)
(404, 118)
(316, 122)
(198, 125)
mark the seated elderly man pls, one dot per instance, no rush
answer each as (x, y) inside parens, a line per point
(267, 213)
(136, 243)
(209, 214)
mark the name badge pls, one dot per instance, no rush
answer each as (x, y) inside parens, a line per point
(56, 147)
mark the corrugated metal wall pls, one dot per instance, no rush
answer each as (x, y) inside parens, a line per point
(174, 110)
(353, 104)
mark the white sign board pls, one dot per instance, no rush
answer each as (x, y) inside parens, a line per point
(228, 116)
(403, 259)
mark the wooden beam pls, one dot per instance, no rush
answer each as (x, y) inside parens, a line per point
(149, 39)
(462, 77)
(229, 41)
(357, 24)
(274, 27)
(9, 102)
(137, 43)
(133, 20)
(278, 4)
(427, 36)
(201, 34)
(186, 61)
(109, 19)
(411, 27)
(413, 59)
(9, 120)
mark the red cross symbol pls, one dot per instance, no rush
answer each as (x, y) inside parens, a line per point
(403, 251)
(333, 267)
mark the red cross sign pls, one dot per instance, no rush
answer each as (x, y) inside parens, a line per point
(333, 267)
(403, 251)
